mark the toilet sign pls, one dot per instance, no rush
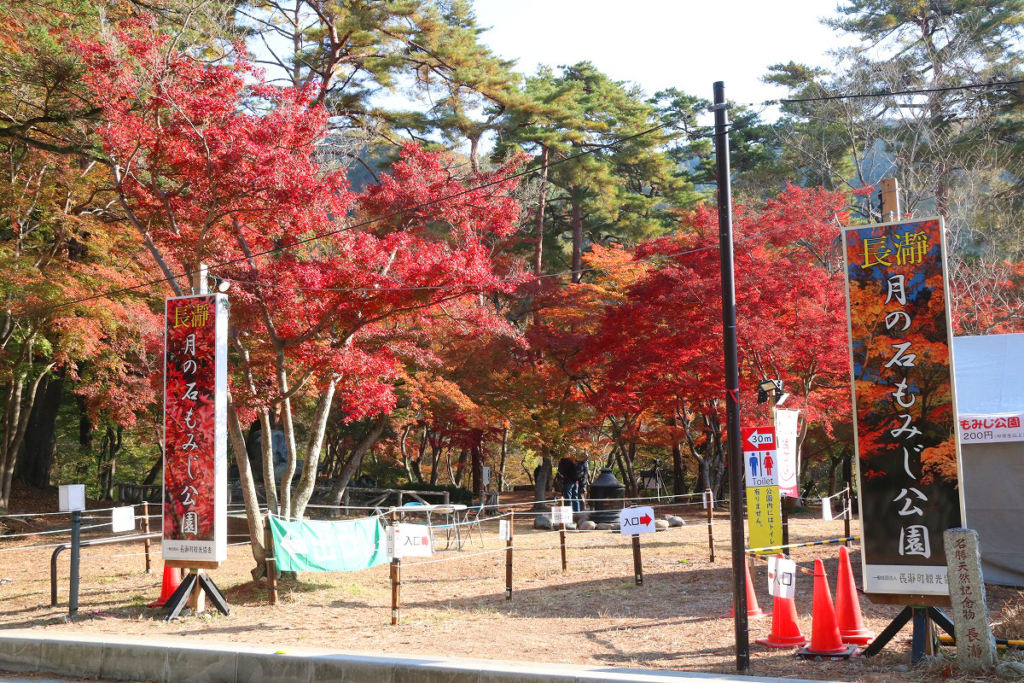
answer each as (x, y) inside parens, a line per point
(409, 540)
(761, 466)
(781, 577)
(634, 521)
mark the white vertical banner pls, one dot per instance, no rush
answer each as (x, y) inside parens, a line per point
(786, 435)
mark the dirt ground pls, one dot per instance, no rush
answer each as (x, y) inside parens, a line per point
(454, 603)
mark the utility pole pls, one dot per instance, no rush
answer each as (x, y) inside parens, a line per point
(732, 379)
(890, 196)
(200, 279)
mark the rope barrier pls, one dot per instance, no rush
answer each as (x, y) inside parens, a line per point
(830, 541)
(54, 531)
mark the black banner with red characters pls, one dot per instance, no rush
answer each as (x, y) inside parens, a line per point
(195, 430)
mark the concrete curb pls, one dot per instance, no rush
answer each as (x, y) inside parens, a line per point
(134, 659)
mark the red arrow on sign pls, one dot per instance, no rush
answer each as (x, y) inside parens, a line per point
(645, 520)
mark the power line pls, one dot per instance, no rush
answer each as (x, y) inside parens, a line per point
(891, 93)
(394, 214)
(561, 273)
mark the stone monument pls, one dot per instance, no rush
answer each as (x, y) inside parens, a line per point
(975, 645)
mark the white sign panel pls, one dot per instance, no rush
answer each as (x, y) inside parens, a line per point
(503, 530)
(409, 540)
(634, 521)
(991, 428)
(71, 497)
(561, 514)
(486, 475)
(781, 577)
(761, 465)
(786, 434)
(122, 519)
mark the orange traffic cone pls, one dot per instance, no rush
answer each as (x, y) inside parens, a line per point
(785, 629)
(753, 609)
(826, 643)
(851, 626)
(172, 579)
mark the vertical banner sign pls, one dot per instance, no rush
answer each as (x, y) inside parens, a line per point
(764, 511)
(195, 431)
(786, 434)
(908, 457)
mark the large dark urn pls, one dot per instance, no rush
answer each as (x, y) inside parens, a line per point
(607, 497)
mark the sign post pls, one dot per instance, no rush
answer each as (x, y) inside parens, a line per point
(633, 522)
(72, 499)
(760, 463)
(195, 443)
(508, 527)
(908, 457)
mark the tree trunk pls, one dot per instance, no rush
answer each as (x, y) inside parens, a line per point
(313, 446)
(267, 451)
(833, 465)
(577, 237)
(435, 463)
(678, 473)
(289, 435)
(156, 469)
(20, 400)
(461, 466)
(541, 481)
(474, 154)
(501, 462)
(477, 465)
(360, 451)
(39, 449)
(85, 425)
(253, 515)
(678, 470)
(538, 247)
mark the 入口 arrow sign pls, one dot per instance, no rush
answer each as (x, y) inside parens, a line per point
(639, 520)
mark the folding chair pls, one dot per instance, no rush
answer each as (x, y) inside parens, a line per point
(475, 511)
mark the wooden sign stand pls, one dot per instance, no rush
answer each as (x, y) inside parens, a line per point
(192, 588)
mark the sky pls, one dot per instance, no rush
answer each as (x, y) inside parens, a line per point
(687, 44)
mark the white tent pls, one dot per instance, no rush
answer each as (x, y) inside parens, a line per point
(990, 406)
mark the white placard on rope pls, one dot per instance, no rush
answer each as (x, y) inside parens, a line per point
(503, 530)
(781, 577)
(122, 519)
(561, 514)
(409, 540)
(639, 520)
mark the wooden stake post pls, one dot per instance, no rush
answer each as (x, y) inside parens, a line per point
(561, 536)
(145, 541)
(709, 498)
(396, 581)
(270, 562)
(508, 556)
(638, 565)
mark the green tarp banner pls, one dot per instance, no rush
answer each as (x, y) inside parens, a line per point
(328, 546)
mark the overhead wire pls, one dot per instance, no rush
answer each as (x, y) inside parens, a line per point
(394, 214)
(505, 179)
(892, 93)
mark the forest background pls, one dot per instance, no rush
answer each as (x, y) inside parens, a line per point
(437, 263)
